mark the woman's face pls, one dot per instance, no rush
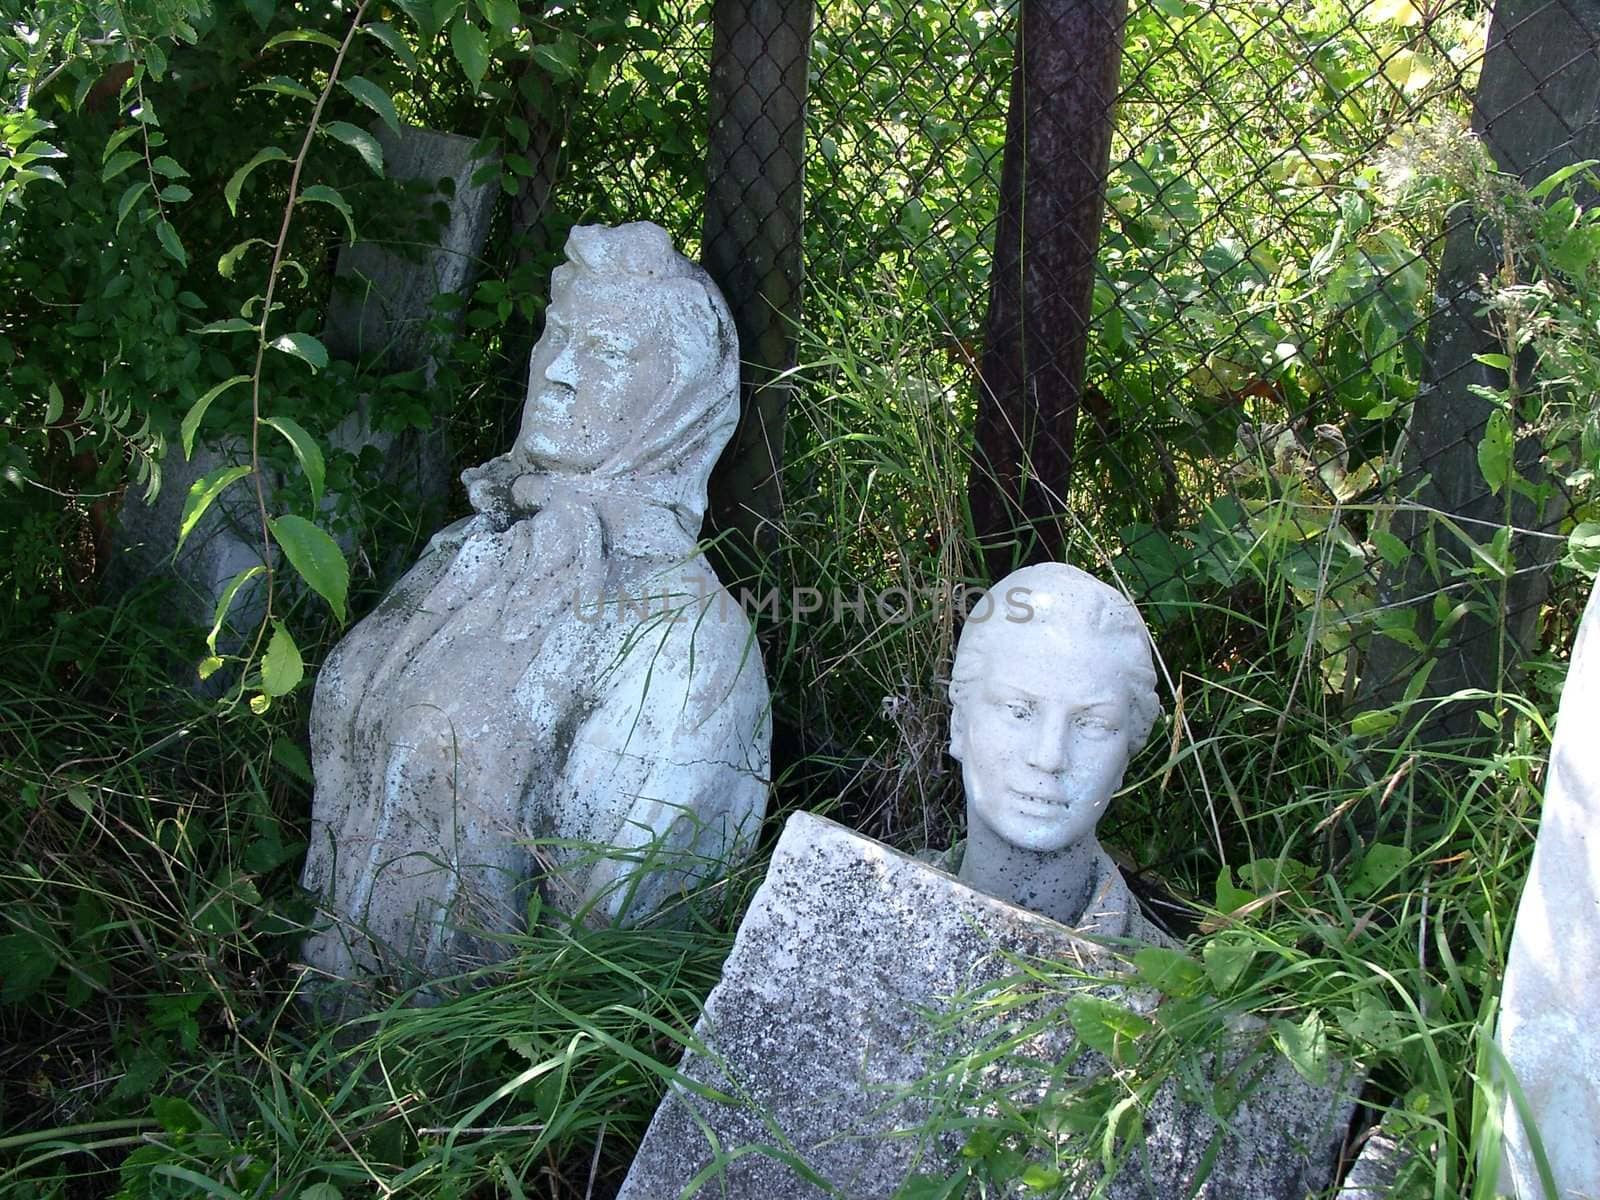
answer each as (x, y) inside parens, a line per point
(1043, 738)
(592, 382)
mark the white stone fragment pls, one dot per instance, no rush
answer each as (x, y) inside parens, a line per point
(562, 667)
(1548, 1031)
(835, 1032)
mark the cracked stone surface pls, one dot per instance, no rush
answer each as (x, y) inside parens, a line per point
(833, 1037)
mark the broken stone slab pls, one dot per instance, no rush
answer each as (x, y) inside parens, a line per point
(1547, 1029)
(848, 1035)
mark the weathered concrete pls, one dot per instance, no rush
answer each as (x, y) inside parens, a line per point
(835, 1032)
(1052, 692)
(560, 668)
(1548, 1030)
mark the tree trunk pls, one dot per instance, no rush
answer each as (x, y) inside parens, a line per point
(1536, 110)
(752, 248)
(1052, 196)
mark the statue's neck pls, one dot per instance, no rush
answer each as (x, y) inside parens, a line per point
(1058, 885)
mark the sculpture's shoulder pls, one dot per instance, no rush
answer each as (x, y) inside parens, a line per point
(680, 618)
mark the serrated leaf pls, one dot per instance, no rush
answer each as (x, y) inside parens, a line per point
(282, 668)
(374, 97)
(117, 164)
(321, 193)
(316, 557)
(1305, 1045)
(177, 1115)
(116, 140)
(301, 35)
(558, 58)
(225, 602)
(155, 59)
(171, 243)
(390, 37)
(304, 347)
(229, 261)
(471, 49)
(305, 449)
(201, 495)
(197, 412)
(168, 166)
(230, 191)
(43, 150)
(176, 193)
(359, 140)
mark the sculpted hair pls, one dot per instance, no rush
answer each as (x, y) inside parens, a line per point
(1075, 603)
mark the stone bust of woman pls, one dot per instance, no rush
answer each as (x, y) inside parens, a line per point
(1051, 692)
(561, 670)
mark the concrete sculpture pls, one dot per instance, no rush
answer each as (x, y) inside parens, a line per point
(560, 690)
(1552, 988)
(1051, 694)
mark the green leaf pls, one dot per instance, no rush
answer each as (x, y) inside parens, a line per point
(229, 325)
(1583, 545)
(1106, 1026)
(201, 494)
(225, 602)
(175, 193)
(26, 961)
(171, 243)
(359, 140)
(168, 166)
(1495, 450)
(260, 703)
(177, 1115)
(301, 35)
(1305, 1045)
(116, 140)
(471, 49)
(321, 193)
(390, 37)
(230, 191)
(282, 85)
(155, 59)
(321, 1191)
(208, 667)
(305, 449)
(1370, 724)
(55, 405)
(374, 97)
(558, 58)
(1170, 971)
(1380, 864)
(117, 164)
(303, 346)
(316, 557)
(282, 668)
(1227, 957)
(130, 197)
(1550, 182)
(1037, 1177)
(229, 262)
(501, 14)
(197, 412)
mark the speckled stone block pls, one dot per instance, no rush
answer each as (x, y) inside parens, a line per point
(831, 1033)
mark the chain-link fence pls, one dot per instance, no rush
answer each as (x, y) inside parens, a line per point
(1322, 404)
